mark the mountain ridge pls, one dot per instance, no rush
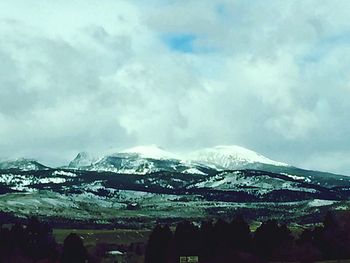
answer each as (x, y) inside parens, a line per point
(221, 157)
(24, 164)
(166, 187)
(146, 159)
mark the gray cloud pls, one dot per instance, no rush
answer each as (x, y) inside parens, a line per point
(268, 75)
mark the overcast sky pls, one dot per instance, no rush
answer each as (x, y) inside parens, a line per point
(272, 76)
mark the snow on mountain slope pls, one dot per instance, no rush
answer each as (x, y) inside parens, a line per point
(81, 160)
(137, 160)
(22, 164)
(230, 157)
(27, 182)
(151, 158)
(260, 183)
(130, 163)
(192, 171)
(124, 163)
(150, 151)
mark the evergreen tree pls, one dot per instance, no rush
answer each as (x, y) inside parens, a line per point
(207, 240)
(186, 239)
(73, 250)
(158, 246)
(240, 238)
(270, 237)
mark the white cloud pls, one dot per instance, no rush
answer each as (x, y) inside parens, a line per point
(88, 75)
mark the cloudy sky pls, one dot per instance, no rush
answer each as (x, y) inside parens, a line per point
(272, 76)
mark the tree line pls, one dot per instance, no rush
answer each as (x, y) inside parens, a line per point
(210, 241)
(233, 241)
(34, 242)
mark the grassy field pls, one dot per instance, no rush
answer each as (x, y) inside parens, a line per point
(127, 236)
(93, 237)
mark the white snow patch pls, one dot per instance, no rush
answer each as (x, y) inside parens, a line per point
(192, 171)
(320, 202)
(56, 180)
(298, 178)
(150, 151)
(23, 189)
(64, 173)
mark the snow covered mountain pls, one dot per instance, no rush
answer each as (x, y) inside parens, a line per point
(83, 159)
(209, 161)
(22, 164)
(203, 183)
(151, 158)
(150, 152)
(137, 160)
(231, 157)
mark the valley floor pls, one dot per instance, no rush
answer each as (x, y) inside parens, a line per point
(92, 237)
(141, 210)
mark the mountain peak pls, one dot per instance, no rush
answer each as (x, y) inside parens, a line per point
(82, 159)
(231, 157)
(82, 155)
(150, 151)
(24, 164)
(150, 158)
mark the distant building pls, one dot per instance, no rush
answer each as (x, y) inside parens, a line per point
(116, 256)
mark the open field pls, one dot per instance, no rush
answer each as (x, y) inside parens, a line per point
(95, 240)
(93, 237)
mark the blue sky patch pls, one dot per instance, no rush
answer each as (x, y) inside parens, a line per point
(180, 42)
